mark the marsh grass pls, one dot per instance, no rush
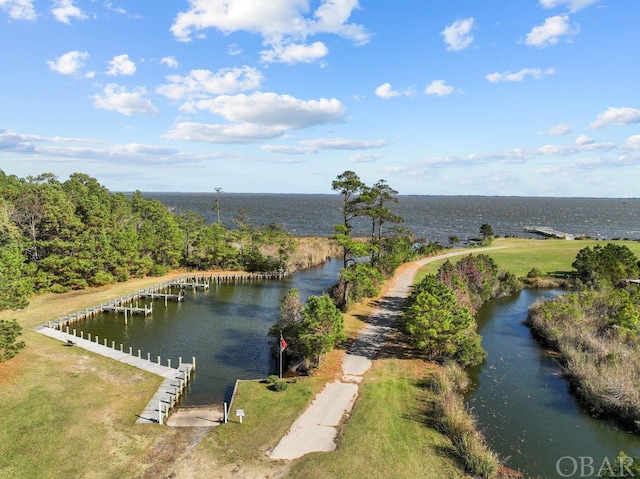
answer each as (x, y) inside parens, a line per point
(601, 365)
(451, 416)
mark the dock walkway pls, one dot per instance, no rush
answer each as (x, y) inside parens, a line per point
(548, 232)
(175, 379)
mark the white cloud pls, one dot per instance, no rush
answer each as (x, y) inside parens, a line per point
(616, 116)
(280, 22)
(573, 5)
(365, 157)
(230, 133)
(314, 146)
(19, 9)
(550, 31)
(257, 117)
(70, 63)
(65, 10)
(632, 143)
(202, 83)
(273, 109)
(73, 149)
(385, 91)
(171, 62)
(121, 65)
(582, 145)
(117, 98)
(584, 140)
(342, 144)
(536, 73)
(294, 53)
(458, 35)
(559, 130)
(234, 49)
(437, 87)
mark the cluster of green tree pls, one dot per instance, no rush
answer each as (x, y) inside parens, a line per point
(595, 330)
(312, 330)
(438, 314)
(476, 279)
(57, 236)
(602, 267)
(368, 261)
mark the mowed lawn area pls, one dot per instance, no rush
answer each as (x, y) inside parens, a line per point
(68, 413)
(550, 256)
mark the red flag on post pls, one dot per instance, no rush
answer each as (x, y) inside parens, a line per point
(283, 344)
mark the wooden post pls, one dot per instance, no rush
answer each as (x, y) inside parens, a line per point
(158, 359)
(149, 357)
(159, 412)
(169, 362)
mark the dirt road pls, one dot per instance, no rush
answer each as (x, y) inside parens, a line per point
(316, 429)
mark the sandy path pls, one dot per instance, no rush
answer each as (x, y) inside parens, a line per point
(316, 429)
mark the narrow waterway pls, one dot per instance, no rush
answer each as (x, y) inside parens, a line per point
(225, 329)
(524, 407)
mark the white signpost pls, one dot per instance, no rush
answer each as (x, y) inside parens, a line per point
(240, 414)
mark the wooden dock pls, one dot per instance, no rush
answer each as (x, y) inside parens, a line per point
(176, 379)
(128, 310)
(548, 232)
(168, 394)
(199, 286)
(166, 296)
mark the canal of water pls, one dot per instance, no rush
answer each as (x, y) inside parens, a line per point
(225, 328)
(523, 404)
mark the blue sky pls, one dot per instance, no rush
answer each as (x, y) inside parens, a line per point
(456, 97)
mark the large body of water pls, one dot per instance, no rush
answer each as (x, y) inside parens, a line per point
(522, 403)
(430, 217)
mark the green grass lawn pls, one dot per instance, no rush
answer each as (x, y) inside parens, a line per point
(68, 413)
(386, 435)
(551, 256)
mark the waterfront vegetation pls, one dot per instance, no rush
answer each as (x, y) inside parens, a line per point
(439, 313)
(66, 235)
(409, 419)
(595, 331)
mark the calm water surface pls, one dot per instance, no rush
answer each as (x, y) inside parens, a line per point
(225, 329)
(523, 404)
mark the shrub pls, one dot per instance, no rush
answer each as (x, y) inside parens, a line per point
(279, 386)
(9, 345)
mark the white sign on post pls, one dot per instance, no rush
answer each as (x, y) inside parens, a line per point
(240, 414)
